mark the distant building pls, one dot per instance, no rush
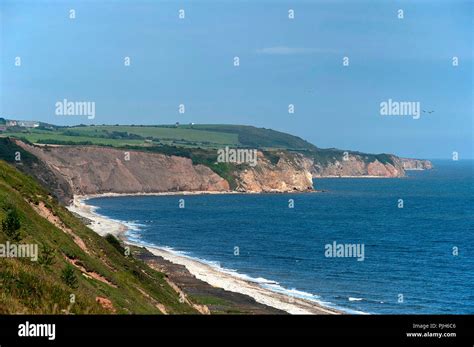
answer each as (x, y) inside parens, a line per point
(3, 128)
(11, 123)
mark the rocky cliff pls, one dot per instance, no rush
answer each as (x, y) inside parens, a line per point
(355, 165)
(288, 173)
(96, 170)
(80, 170)
(337, 163)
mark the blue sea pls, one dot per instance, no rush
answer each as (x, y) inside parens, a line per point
(418, 259)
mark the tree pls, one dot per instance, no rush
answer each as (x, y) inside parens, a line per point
(11, 225)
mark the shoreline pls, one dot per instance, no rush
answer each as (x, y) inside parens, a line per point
(212, 275)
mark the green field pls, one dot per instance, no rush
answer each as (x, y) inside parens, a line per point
(165, 134)
(123, 135)
(194, 136)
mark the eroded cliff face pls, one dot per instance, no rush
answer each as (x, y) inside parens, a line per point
(358, 166)
(80, 170)
(95, 170)
(291, 173)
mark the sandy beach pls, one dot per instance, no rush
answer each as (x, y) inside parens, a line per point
(214, 276)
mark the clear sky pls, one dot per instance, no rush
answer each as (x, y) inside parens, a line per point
(282, 61)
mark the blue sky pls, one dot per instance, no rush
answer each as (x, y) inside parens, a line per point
(282, 62)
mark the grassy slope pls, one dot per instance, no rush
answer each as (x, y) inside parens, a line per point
(29, 287)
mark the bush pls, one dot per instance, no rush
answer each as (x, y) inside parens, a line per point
(47, 256)
(115, 242)
(69, 277)
(11, 225)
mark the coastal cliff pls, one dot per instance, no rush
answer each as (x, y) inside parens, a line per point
(97, 170)
(356, 165)
(287, 173)
(82, 170)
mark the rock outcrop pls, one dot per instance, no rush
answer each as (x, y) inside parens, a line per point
(359, 166)
(290, 173)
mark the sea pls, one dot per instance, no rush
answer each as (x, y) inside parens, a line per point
(361, 245)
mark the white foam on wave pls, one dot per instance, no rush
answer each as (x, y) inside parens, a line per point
(134, 225)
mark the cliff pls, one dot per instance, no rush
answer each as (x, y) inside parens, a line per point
(288, 173)
(68, 170)
(96, 170)
(356, 165)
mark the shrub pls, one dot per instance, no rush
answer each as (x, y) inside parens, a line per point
(11, 225)
(115, 242)
(69, 277)
(47, 256)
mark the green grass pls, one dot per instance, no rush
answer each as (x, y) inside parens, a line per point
(59, 138)
(164, 133)
(212, 136)
(30, 287)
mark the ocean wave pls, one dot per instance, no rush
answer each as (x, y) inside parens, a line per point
(133, 225)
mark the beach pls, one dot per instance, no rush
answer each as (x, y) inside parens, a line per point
(212, 275)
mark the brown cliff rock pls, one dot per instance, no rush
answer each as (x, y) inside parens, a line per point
(290, 174)
(95, 170)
